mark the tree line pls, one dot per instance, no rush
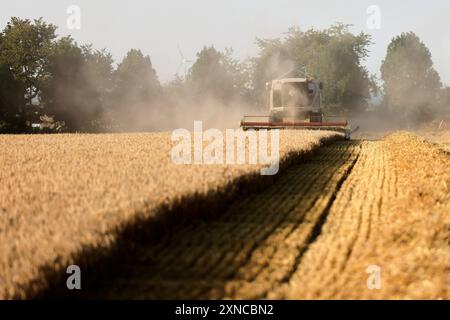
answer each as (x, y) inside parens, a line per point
(66, 87)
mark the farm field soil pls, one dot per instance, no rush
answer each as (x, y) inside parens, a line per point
(63, 197)
(355, 207)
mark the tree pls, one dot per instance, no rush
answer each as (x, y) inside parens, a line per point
(411, 84)
(332, 55)
(79, 82)
(136, 89)
(99, 72)
(217, 75)
(136, 80)
(273, 62)
(25, 49)
(62, 93)
(11, 101)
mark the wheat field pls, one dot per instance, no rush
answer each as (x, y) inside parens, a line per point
(64, 195)
(335, 210)
(314, 234)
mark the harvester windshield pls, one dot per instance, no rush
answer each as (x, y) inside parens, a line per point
(295, 94)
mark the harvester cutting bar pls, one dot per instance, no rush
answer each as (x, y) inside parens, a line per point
(294, 124)
(324, 125)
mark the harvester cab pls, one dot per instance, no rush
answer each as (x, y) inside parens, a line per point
(294, 98)
(295, 103)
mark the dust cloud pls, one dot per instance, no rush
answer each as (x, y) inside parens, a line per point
(172, 113)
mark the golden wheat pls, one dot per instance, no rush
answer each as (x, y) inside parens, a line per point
(62, 193)
(386, 204)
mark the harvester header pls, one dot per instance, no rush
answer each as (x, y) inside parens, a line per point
(295, 103)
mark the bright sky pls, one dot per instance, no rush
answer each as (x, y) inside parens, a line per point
(158, 27)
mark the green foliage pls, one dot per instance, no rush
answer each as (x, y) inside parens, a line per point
(218, 75)
(65, 64)
(76, 89)
(136, 80)
(26, 46)
(136, 92)
(45, 77)
(11, 101)
(99, 72)
(332, 55)
(411, 84)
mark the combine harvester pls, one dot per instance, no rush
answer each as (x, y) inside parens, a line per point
(295, 103)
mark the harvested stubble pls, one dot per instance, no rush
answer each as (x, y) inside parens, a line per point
(391, 212)
(314, 233)
(250, 249)
(61, 195)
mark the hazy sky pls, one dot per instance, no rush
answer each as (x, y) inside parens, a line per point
(157, 27)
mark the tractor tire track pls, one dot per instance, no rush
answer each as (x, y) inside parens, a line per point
(351, 222)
